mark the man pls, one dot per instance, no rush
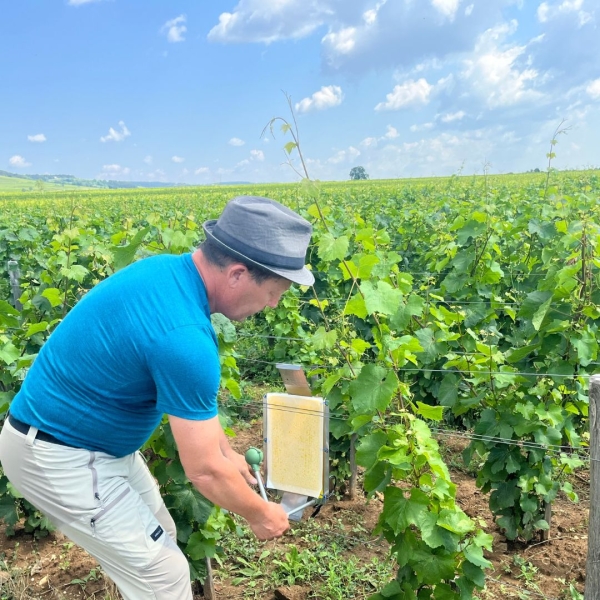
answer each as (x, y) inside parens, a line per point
(137, 346)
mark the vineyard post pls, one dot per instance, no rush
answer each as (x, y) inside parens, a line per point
(353, 467)
(15, 284)
(208, 588)
(592, 569)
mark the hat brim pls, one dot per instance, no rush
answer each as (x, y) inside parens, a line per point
(300, 276)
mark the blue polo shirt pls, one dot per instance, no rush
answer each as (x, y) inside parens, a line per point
(138, 345)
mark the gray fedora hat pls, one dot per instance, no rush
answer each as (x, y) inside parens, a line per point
(265, 233)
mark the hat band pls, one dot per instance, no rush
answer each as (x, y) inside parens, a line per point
(260, 256)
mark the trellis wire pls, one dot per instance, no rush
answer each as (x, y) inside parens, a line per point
(551, 448)
(419, 369)
(491, 304)
(308, 339)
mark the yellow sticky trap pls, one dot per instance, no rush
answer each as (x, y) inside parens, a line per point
(294, 443)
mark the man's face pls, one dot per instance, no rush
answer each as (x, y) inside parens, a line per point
(251, 297)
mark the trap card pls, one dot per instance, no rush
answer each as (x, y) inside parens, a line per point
(296, 444)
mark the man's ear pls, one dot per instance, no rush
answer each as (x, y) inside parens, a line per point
(236, 273)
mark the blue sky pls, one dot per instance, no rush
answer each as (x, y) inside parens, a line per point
(180, 91)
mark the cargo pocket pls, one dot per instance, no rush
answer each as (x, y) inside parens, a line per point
(127, 525)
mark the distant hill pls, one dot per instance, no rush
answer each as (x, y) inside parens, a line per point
(14, 182)
(20, 184)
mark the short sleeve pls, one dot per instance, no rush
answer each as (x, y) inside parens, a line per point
(184, 364)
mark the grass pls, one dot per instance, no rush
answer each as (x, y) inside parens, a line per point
(17, 584)
(321, 557)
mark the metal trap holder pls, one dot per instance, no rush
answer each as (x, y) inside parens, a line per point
(296, 443)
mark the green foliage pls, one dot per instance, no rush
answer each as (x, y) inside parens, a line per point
(473, 303)
(59, 259)
(358, 173)
(321, 558)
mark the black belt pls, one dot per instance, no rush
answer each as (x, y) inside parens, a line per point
(40, 435)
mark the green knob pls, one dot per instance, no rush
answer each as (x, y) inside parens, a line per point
(254, 457)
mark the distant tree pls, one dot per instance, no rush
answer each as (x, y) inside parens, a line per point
(39, 185)
(358, 173)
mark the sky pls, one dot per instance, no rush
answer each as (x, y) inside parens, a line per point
(181, 91)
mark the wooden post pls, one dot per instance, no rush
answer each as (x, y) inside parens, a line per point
(209, 585)
(15, 284)
(353, 467)
(592, 567)
(548, 519)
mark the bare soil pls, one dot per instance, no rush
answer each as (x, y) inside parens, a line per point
(53, 568)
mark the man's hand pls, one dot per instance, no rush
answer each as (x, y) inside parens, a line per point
(220, 474)
(271, 523)
(243, 467)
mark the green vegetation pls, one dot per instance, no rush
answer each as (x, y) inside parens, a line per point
(40, 183)
(321, 557)
(470, 303)
(19, 184)
(357, 173)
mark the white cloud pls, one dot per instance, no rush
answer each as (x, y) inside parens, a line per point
(157, 175)
(547, 11)
(391, 133)
(542, 12)
(177, 159)
(370, 16)
(236, 142)
(364, 35)
(116, 136)
(372, 142)
(38, 138)
(112, 171)
(360, 36)
(494, 72)
(175, 29)
(80, 2)
(115, 169)
(344, 156)
(448, 8)
(148, 160)
(409, 93)
(593, 89)
(422, 127)
(255, 155)
(201, 171)
(342, 41)
(326, 97)
(369, 142)
(18, 161)
(439, 155)
(449, 117)
(269, 21)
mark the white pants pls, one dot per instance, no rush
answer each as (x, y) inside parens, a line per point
(109, 506)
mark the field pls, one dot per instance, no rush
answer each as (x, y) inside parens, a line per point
(337, 557)
(16, 184)
(461, 310)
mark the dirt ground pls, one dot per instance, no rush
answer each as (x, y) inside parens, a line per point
(53, 568)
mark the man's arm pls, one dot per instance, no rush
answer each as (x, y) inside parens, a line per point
(237, 459)
(219, 479)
